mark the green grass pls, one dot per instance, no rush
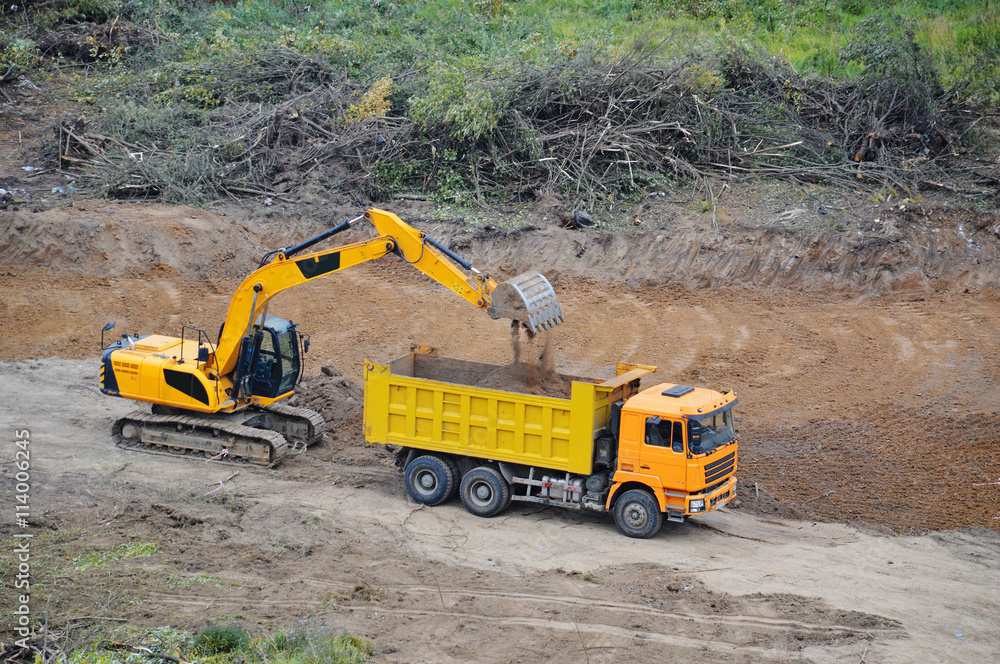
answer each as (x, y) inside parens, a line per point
(371, 38)
(225, 644)
(99, 559)
(183, 582)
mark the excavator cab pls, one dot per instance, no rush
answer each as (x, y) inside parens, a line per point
(275, 362)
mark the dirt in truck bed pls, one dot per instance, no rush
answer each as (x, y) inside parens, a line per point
(531, 369)
(865, 366)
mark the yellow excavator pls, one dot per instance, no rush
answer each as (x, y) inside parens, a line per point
(222, 399)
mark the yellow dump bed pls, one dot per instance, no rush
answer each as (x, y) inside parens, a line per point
(430, 402)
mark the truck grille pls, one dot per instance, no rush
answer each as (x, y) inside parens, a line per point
(720, 468)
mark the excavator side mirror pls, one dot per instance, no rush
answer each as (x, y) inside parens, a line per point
(105, 329)
(202, 354)
(305, 345)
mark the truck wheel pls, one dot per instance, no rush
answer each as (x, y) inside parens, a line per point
(430, 480)
(485, 492)
(637, 514)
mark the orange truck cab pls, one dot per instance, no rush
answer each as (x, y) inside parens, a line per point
(679, 441)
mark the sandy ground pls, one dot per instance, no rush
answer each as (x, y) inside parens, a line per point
(865, 367)
(328, 541)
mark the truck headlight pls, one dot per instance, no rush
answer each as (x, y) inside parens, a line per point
(698, 505)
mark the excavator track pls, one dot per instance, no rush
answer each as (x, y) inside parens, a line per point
(212, 437)
(301, 427)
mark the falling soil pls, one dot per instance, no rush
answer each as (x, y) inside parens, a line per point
(532, 371)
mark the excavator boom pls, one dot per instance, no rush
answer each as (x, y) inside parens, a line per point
(528, 298)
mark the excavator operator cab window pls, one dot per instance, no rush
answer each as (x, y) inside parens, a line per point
(288, 352)
(276, 369)
(267, 369)
(665, 433)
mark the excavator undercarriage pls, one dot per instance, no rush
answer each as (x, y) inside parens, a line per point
(261, 435)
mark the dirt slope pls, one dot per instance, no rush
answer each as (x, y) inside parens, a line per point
(869, 378)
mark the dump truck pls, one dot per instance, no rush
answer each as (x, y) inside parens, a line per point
(642, 454)
(223, 399)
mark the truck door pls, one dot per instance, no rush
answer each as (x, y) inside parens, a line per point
(662, 453)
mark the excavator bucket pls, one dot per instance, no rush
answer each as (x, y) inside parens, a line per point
(529, 299)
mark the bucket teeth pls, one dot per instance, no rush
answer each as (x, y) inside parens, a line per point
(528, 298)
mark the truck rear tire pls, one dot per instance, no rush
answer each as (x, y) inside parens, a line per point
(637, 514)
(485, 492)
(430, 480)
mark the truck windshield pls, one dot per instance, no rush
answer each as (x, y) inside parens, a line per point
(711, 431)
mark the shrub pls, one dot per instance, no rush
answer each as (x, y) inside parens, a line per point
(217, 639)
(92, 11)
(374, 103)
(886, 46)
(466, 106)
(16, 57)
(977, 56)
(854, 7)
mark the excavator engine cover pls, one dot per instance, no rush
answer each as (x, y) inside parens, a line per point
(529, 299)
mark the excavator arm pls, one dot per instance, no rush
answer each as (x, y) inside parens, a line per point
(527, 298)
(434, 259)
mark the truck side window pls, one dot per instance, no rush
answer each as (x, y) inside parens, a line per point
(665, 433)
(654, 434)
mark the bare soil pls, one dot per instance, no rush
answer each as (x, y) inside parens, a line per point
(865, 367)
(331, 539)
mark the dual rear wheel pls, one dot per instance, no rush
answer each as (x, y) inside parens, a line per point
(431, 480)
(485, 492)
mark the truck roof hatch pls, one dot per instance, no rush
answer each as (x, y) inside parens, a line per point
(677, 391)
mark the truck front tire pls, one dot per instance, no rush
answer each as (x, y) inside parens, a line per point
(430, 480)
(637, 514)
(485, 492)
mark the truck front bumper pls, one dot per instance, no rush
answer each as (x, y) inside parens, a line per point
(699, 503)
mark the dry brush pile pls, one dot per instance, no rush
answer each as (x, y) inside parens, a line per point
(277, 120)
